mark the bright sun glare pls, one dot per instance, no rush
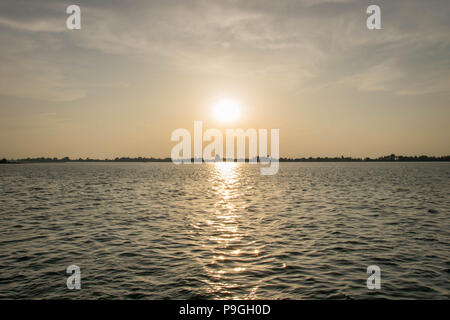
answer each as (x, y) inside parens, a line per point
(226, 110)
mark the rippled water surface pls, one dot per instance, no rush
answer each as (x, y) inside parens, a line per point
(220, 231)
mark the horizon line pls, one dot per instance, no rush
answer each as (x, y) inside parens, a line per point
(391, 157)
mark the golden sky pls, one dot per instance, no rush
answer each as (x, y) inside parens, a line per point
(138, 70)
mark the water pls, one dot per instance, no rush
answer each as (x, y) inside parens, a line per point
(160, 231)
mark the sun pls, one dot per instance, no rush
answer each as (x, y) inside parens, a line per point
(226, 110)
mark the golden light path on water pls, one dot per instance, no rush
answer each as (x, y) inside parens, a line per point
(227, 265)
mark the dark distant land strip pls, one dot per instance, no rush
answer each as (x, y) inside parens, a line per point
(389, 158)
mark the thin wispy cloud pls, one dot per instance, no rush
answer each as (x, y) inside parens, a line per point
(321, 42)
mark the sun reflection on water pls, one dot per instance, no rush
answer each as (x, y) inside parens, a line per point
(226, 237)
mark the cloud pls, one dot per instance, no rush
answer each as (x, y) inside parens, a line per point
(309, 44)
(36, 25)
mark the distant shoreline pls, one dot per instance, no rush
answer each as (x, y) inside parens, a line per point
(390, 158)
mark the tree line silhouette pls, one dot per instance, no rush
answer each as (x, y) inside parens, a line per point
(388, 158)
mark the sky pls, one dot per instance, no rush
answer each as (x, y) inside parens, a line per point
(138, 70)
